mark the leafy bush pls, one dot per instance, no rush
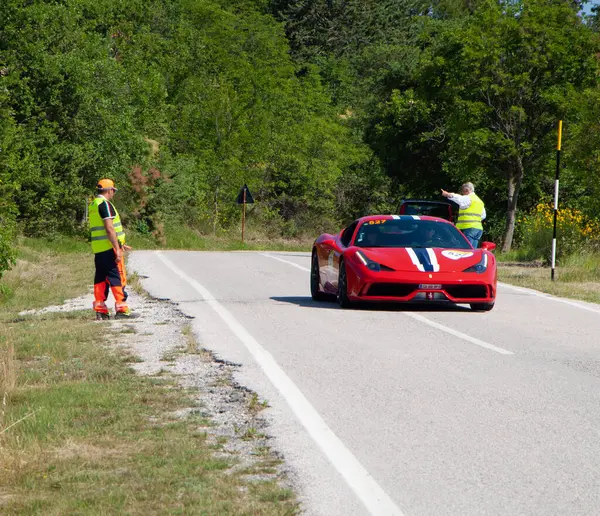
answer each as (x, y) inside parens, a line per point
(7, 253)
(575, 232)
(7, 232)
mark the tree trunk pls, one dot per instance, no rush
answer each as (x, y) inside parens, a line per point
(515, 178)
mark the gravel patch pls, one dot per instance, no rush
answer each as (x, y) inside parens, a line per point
(162, 340)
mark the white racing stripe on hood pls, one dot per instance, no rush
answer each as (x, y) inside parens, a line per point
(433, 259)
(416, 217)
(415, 260)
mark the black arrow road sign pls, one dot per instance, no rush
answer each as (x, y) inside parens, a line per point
(240, 198)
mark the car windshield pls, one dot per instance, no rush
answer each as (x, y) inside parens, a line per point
(409, 233)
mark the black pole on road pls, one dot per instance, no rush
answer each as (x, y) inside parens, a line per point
(558, 149)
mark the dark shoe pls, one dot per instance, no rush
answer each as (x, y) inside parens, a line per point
(100, 316)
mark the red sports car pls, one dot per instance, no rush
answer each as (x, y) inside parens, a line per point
(403, 258)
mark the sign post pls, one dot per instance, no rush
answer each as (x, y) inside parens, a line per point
(558, 149)
(243, 215)
(243, 198)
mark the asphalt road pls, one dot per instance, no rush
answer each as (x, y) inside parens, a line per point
(401, 410)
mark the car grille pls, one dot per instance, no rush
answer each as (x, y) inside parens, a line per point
(405, 289)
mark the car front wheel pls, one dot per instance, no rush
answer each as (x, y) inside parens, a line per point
(343, 299)
(315, 279)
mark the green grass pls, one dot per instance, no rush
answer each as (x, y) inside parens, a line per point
(80, 432)
(47, 272)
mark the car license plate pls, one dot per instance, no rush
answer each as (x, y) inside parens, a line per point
(429, 286)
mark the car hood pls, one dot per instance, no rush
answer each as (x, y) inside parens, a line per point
(431, 259)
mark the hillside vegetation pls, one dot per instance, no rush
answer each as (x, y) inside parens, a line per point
(327, 109)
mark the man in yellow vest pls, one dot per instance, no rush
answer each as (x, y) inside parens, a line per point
(108, 244)
(470, 214)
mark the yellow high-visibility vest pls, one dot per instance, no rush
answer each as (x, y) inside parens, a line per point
(471, 217)
(99, 236)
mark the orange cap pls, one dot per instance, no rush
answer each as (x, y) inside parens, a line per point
(105, 184)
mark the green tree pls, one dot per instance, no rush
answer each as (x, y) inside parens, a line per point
(70, 100)
(486, 96)
(519, 66)
(580, 178)
(241, 112)
(8, 137)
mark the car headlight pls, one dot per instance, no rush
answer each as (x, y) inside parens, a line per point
(480, 267)
(367, 262)
(370, 264)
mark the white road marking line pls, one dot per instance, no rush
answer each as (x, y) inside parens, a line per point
(550, 297)
(375, 500)
(459, 334)
(286, 261)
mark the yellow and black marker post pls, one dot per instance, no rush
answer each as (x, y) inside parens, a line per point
(558, 149)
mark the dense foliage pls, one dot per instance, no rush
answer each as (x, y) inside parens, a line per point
(327, 109)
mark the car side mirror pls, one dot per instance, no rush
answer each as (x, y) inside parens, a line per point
(488, 246)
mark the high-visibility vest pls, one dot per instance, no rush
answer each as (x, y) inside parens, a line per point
(471, 217)
(98, 234)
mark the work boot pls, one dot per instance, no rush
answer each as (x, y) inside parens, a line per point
(125, 314)
(101, 316)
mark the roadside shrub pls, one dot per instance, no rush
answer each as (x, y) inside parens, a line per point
(575, 232)
(7, 250)
(7, 254)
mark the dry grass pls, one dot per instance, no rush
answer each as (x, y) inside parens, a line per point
(191, 347)
(8, 377)
(134, 283)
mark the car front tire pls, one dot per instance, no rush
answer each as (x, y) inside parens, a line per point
(315, 279)
(482, 307)
(342, 296)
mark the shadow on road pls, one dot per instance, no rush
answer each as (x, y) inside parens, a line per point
(307, 301)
